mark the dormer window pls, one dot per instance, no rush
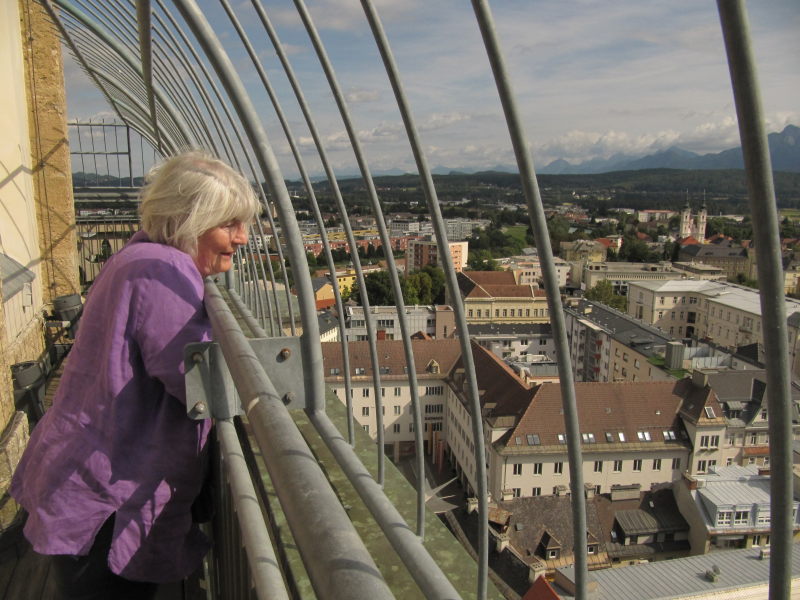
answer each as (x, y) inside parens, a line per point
(562, 439)
(433, 367)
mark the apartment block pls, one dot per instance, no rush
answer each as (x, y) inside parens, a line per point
(631, 432)
(392, 401)
(607, 345)
(421, 253)
(726, 314)
(495, 297)
(514, 341)
(620, 274)
(728, 508)
(436, 321)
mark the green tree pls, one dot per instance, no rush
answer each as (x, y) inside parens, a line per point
(604, 292)
(437, 283)
(379, 289)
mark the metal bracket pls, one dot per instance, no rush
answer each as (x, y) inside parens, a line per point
(210, 390)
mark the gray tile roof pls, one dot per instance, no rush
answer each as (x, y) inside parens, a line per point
(683, 577)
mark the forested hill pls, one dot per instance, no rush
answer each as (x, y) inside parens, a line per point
(653, 188)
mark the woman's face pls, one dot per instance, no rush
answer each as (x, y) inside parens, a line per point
(215, 248)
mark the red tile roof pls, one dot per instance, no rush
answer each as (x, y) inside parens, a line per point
(541, 590)
(491, 277)
(392, 356)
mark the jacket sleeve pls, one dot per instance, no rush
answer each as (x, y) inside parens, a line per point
(169, 314)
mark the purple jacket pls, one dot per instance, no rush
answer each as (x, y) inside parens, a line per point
(117, 438)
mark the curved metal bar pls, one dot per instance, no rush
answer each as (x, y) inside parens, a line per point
(377, 211)
(766, 232)
(452, 284)
(174, 87)
(126, 56)
(539, 226)
(236, 131)
(79, 56)
(315, 384)
(348, 230)
(314, 205)
(146, 52)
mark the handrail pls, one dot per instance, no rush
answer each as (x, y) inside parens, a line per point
(337, 562)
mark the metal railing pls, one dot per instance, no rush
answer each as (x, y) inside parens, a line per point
(133, 52)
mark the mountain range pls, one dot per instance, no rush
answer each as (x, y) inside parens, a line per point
(784, 148)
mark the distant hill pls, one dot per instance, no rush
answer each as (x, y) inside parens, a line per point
(784, 148)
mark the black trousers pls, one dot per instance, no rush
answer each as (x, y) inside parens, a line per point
(89, 578)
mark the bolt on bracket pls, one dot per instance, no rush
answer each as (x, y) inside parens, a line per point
(211, 391)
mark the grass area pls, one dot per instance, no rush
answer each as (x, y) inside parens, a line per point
(792, 213)
(518, 232)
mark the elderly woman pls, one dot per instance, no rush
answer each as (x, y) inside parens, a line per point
(112, 470)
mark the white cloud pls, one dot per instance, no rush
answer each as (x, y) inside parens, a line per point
(362, 95)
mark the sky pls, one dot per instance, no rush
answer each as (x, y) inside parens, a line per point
(592, 79)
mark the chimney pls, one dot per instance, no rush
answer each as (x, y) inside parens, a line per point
(699, 378)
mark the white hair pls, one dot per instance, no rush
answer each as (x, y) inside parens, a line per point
(190, 193)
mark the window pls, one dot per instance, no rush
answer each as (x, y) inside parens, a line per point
(591, 549)
(537, 468)
(533, 439)
(436, 426)
(366, 428)
(517, 468)
(397, 410)
(360, 370)
(434, 409)
(644, 436)
(537, 491)
(621, 437)
(365, 392)
(656, 464)
(562, 439)
(676, 463)
(598, 466)
(516, 492)
(396, 428)
(385, 322)
(763, 518)
(335, 371)
(617, 466)
(558, 468)
(411, 428)
(383, 392)
(637, 464)
(710, 412)
(588, 438)
(434, 390)
(669, 436)
(742, 517)
(709, 441)
(702, 466)
(397, 391)
(724, 518)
